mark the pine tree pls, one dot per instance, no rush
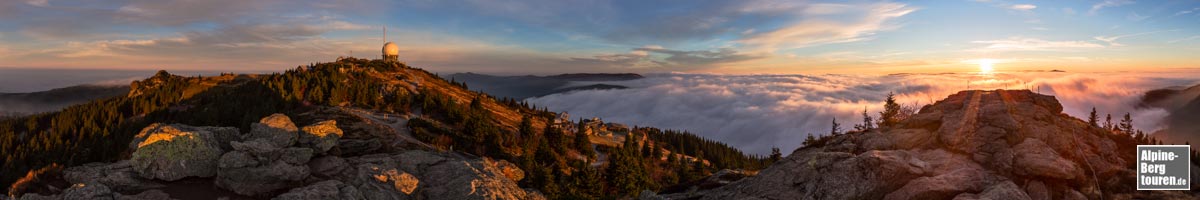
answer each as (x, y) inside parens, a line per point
(810, 140)
(1127, 124)
(868, 122)
(775, 155)
(583, 145)
(1108, 122)
(891, 112)
(836, 129)
(1093, 119)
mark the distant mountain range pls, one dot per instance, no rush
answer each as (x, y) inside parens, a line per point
(18, 104)
(521, 87)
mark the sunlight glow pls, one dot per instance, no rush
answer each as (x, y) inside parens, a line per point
(985, 66)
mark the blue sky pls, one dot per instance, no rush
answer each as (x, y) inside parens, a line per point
(555, 36)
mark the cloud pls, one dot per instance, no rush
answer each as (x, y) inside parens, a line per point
(1023, 7)
(1112, 40)
(1032, 44)
(1194, 37)
(645, 58)
(182, 12)
(1107, 4)
(757, 112)
(814, 30)
(1184, 12)
(38, 3)
(1136, 17)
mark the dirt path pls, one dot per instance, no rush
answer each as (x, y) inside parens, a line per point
(397, 124)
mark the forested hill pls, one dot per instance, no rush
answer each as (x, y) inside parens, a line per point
(559, 158)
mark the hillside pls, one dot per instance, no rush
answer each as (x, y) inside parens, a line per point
(1002, 144)
(382, 107)
(21, 104)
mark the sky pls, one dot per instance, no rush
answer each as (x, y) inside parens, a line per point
(557, 36)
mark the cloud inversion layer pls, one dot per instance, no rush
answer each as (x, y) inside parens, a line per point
(757, 112)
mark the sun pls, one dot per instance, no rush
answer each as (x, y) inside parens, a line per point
(985, 66)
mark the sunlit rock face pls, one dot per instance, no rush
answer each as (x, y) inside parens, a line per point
(171, 151)
(973, 144)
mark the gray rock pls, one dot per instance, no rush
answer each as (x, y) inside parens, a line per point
(33, 196)
(277, 129)
(321, 136)
(649, 195)
(349, 147)
(378, 177)
(943, 186)
(173, 152)
(434, 175)
(1037, 191)
(331, 189)
(328, 167)
(257, 168)
(1033, 157)
(147, 195)
(118, 176)
(88, 191)
(1004, 190)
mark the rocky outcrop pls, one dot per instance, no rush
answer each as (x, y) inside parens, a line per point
(118, 176)
(330, 189)
(100, 192)
(173, 151)
(430, 175)
(276, 130)
(257, 168)
(321, 136)
(972, 145)
(277, 160)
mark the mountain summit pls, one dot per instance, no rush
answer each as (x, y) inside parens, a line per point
(1002, 144)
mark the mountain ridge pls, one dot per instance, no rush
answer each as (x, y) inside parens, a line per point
(403, 102)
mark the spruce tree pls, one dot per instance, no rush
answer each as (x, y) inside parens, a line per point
(1127, 124)
(1093, 119)
(891, 111)
(836, 129)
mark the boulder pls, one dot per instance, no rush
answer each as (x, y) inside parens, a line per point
(277, 129)
(257, 168)
(88, 191)
(459, 179)
(510, 170)
(1033, 157)
(943, 186)
(1004, 190)
(420, 174)
(320, 137)
(813, 173)
(119, 176)
(723, 177)
(331, 189)
(355, 147)
(328, 167)
(173, 152)
(1037, 190)
(147, 195)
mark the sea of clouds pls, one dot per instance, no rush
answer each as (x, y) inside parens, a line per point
(757, 112)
